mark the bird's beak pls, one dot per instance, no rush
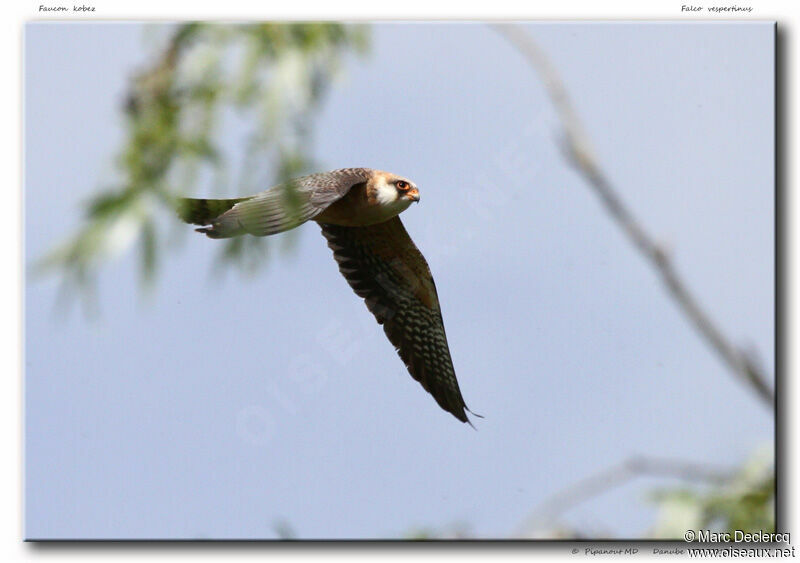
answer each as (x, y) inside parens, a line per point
(413, 194)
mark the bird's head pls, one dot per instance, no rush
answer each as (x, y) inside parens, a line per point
(392, 191)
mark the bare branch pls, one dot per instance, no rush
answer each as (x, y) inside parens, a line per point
(619, 475)
(580, 156)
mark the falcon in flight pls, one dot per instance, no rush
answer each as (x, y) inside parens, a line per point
(358, 210)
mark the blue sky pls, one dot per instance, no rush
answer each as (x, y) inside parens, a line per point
(222, 408)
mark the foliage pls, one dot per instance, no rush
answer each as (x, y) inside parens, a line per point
(271, 75)
(745, 501)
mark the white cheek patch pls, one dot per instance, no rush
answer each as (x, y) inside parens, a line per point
(386, 194)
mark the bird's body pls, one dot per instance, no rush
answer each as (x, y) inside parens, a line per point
(358, 210)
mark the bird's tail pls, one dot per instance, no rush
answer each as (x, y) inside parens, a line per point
(205, 212)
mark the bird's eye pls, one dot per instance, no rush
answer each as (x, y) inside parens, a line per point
(402, 185)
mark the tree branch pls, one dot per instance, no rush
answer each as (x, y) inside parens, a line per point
(579, 154)
(619, 475)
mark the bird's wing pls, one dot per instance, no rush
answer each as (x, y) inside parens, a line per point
(382, 265)
(273, 211)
